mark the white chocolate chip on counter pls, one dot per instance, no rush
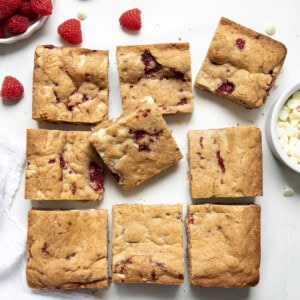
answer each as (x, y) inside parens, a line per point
(81, 15)
(288, 127)
(270, 29)
(288, 191)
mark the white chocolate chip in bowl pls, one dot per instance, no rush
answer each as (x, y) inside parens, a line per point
(283, 128)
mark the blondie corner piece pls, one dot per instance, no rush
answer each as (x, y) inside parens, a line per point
(162, 71)
(225, 162)
(70, 85)
(67, 249)
(147, 244)
(223, 245)
(137, 145)
(241, 64)
(62, 165)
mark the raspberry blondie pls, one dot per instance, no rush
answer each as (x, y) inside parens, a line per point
(147, 244)
(223, 245)
(241, 64)
(67, 249)
(225, 162)
(137, 145)
(162, 71)
(70, 85)
(62, 165)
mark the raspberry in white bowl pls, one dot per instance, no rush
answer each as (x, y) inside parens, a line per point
(21, 18)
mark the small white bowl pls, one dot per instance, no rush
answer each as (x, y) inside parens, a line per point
(272, 135)
(31, 29)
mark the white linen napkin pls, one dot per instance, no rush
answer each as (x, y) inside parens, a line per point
(13, 234)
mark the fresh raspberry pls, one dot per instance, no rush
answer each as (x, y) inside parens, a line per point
(17, 24)
(70, 31)
(8, 7)
(27, 11)
(2, 28)
(12, 89)
(131, 19)
(42, 7)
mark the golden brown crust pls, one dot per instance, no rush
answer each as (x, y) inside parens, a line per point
(247, 61)
(224, 245)
(225, 162)
(60, 165)
(147, 244)
(162, 71)
(70, 85)
(67, 249)
(137, 145)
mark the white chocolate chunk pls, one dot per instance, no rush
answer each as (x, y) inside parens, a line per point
(270, 29)
(283, 115)
(293, 103)
(81, 15)
(296, 95)
(288, 191)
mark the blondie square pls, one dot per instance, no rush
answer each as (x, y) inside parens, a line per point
(241, 64)
(223, 245)
(147, 244)
(62, 165)
(67, 249)
(162, 71)
(70, 85)
(225, 162)
(137, 145)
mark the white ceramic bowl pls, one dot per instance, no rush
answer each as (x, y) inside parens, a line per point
(31, 29)
(272, 135)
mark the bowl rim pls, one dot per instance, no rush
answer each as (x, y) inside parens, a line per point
(31, 29)
(287, 93)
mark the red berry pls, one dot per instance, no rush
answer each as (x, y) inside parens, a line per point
(17, 24)
(240, 43)
(96, 176)
(42, 7)
(2, 28)
(131, 19)
(27, 11)
(8, 7)
(70, 31)
(226, 88)
(12, 89)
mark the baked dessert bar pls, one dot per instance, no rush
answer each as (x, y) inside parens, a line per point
(225, 162)
(147, 244)
(62, 165)
(70, 85)
(241, 64)
(67, 249)
(223, 245)
(137, 145)
(162, 71)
